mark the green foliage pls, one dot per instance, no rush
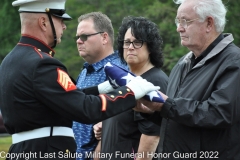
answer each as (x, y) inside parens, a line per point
(9, 27)
(233, 18)
(162, 12)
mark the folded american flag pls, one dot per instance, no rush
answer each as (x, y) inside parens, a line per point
(118, 76)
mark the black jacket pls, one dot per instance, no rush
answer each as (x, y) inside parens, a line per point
(202, 114)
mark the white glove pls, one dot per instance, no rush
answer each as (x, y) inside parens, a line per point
(105, 87)
(141, 87)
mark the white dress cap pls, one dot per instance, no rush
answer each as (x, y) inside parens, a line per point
(42, 5)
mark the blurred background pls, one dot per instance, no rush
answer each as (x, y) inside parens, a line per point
(162, 12)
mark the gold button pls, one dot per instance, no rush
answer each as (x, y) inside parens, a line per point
(50, 52)
(112, 96)
(67, 150)
(128, 90)
(120, 92)
(39, 49)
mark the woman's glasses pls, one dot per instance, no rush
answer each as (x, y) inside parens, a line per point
(136, 44)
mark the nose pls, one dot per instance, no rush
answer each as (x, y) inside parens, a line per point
(79, 40)
(131, 46)
(180, 28)
(64, 26)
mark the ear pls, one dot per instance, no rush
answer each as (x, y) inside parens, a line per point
(105, 38)
(42, 22)
(210, 23)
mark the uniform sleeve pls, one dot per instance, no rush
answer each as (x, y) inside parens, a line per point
(54, 88)
(91, 90)
(220, 110)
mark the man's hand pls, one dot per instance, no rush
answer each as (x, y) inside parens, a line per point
(142, 108)
(97, 128)
(141, 87)
(152, 106)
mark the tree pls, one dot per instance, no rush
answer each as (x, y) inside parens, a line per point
(10, 27)
(233, 17)
(162, 12)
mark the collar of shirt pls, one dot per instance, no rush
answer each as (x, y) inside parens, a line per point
(85, 79)
(25, 39)
(100, 64)
(195, 60)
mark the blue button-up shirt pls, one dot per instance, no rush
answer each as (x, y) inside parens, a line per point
(91, 75)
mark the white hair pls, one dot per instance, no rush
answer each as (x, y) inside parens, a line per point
(213, 8)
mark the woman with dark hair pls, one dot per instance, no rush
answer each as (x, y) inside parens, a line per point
(145, 33)
(140, 46)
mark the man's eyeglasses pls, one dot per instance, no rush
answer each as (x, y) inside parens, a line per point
(84, 37)
(184, 22)
(136, 44)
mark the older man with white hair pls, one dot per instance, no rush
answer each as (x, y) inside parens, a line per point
(202, 108)
(39, 100)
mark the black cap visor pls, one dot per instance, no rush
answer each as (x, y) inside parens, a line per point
(65, 16)
(60, 13)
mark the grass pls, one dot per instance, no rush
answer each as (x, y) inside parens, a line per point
(5, 143)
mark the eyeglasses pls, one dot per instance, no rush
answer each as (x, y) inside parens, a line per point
(136, 44)
(84, 37)
(184, 22)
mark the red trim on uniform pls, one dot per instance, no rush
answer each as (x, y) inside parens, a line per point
(65, 81)
(110, 98)
(104, 102)
(48, 54)
(36, 49)
(23, 44)
(26, 35)
(38, 52)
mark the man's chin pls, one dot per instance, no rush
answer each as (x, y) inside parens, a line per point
(59, 40)
(82, 54)
(184, 43)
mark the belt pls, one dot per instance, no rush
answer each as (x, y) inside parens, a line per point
(42, 132)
